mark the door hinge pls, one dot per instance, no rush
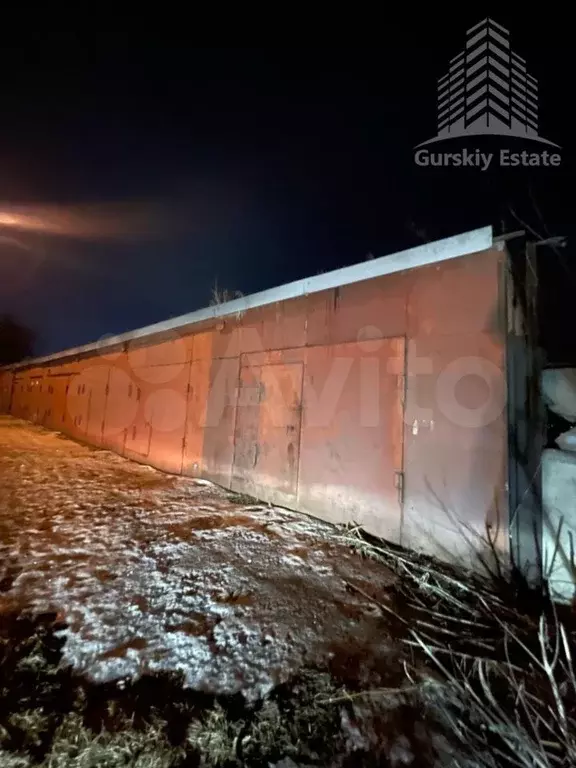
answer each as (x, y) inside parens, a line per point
(399, 485)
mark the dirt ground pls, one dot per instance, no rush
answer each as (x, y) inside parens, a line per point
(153, 572)
(146, 614)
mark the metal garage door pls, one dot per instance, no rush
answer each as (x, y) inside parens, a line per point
(267, 434)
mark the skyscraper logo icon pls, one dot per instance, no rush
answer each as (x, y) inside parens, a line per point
(487, 90)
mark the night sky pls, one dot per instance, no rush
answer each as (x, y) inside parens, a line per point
(253, 167)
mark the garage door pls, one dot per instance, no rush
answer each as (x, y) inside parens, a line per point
(267, 434)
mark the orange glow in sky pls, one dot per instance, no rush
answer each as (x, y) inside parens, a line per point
(96, 221)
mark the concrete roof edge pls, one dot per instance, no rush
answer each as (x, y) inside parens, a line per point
(421, 255)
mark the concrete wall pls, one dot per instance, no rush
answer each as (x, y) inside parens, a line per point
(559, 523)
(380, 402)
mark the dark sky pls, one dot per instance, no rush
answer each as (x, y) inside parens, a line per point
(250, 166)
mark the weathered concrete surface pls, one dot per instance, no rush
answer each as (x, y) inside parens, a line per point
(158, 572)
(559, 523)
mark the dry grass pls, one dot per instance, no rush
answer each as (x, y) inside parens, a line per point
(223, 295)
(9, 760)
(508, 692)
(292, 723)
(75, 746)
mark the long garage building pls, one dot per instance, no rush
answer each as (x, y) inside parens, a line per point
(374, 394)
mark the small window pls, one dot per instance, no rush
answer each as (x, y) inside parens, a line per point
(133, 433)
(129, 390)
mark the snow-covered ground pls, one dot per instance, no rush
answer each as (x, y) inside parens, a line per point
(155, 572)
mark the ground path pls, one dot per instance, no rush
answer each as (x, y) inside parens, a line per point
(160, 573)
